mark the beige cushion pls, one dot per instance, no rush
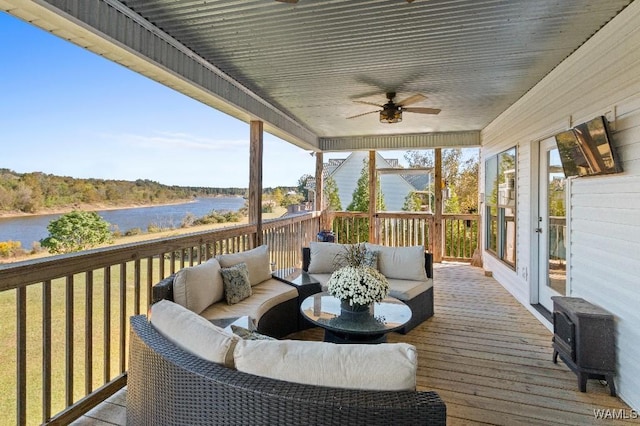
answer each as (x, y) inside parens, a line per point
(323, 257)
(403, 263)
(387, 366)
(257, 261)
(198, 287)
(408, 289)
(193, 333)
(263, 297)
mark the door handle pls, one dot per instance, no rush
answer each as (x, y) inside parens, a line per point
(539, 230)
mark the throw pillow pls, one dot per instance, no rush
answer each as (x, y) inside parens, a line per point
(237, 286)
(387, 366)
(371, 258)
(246, 334)
(193, 333)
(402, 263)
(324, 257)
(257, 261)
(198, 287)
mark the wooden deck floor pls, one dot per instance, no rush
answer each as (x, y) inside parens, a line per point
(487, 357)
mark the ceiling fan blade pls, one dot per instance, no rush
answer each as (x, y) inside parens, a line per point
(360, 115)
(422, 110)
(412, 99)
(369, 103)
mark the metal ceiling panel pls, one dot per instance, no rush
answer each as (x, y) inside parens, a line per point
(300, 67)
(471, 58)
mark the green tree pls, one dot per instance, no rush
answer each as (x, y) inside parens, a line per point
(292, 198)
(75, 231)
(460, 177)
(412, 202)
(331, 195)
(302, 186)
(277, 196)
(360, 198)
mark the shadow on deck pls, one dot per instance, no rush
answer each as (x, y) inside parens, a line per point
(487, 357)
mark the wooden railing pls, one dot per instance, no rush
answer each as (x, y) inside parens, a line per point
(70, 334)
(66, 351)
(557, 237)
(461, 237)
(459, 240)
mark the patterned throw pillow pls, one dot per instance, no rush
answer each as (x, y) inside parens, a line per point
(249, 334)
(371, 258)
(237, 286)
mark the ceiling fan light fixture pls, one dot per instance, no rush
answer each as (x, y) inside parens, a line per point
(390, 116)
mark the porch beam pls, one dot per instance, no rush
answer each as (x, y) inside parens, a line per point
(463, 139)
(373, 197)
(436, 235)
(255, 179)
(319, 191)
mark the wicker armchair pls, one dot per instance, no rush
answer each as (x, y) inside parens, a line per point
(169, 386)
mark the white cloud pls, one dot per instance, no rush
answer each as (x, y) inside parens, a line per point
(168, 140)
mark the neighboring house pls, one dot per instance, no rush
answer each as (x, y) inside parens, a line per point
(394, 188)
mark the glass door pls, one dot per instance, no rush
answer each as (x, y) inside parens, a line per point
(552, 225)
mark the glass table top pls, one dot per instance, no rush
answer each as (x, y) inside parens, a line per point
(324, 310)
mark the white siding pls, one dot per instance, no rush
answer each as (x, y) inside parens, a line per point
(600, 78)
(394, 188)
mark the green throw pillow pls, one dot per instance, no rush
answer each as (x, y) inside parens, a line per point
(237, 286)
(248, 334)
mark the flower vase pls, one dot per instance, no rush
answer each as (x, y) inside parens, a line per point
(355, 310)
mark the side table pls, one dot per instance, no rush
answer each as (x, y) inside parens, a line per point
(306, 285)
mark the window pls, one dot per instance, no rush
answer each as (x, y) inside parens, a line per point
(500, 205)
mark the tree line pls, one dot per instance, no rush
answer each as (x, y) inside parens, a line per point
(35, 191)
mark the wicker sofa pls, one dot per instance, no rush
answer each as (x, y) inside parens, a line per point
(418, 294)
(273, 305)
(169, 386)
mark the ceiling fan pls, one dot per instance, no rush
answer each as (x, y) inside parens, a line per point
(392, 112)
(296, 1)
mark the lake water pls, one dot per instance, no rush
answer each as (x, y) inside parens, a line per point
(30, 229)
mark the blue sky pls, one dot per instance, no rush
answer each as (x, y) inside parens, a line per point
(67, 111)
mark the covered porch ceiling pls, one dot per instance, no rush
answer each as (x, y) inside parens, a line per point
(300, 67)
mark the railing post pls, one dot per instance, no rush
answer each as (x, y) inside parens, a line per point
(437, 222)
(318, 203)
(373, 197)
(255, 179)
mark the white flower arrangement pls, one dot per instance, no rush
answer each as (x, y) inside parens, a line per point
(358, 285)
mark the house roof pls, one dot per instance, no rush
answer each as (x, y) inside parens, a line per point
(300, 67)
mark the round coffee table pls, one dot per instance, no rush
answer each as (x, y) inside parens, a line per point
(323, 310)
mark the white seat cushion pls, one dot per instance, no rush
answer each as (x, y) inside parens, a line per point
(198, 287)
(257, 261)
(408, 289)
(387, 366)
(193, 333)
(264, 296)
